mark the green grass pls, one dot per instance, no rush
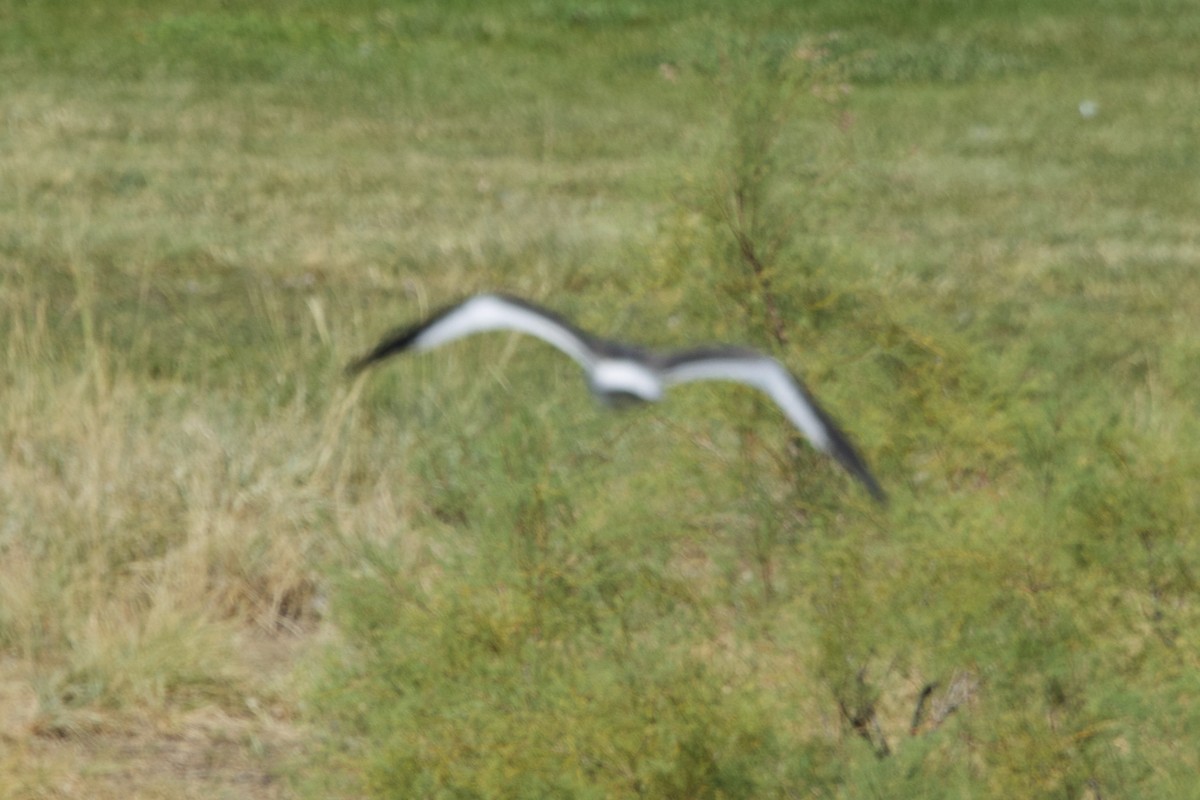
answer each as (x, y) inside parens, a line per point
(497, 588)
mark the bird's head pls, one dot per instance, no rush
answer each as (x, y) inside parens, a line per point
(624, 381)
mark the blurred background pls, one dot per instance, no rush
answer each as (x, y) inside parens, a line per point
(228, 570)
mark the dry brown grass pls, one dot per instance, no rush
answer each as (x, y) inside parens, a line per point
(167, 514)
(207, 751)
(143, 593)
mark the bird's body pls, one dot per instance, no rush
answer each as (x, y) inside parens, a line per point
(618, 372)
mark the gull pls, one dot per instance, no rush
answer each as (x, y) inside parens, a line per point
(618, 372)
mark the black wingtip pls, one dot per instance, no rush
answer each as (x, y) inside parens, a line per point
(396, 342)
(849, 458)
(877, 492)
(844, 452)
(354, 368)
(401, 339)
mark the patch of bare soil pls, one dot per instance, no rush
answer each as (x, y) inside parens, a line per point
(207, 752)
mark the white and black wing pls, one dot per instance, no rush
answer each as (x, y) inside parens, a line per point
(617, 369)
(768, 375)
(485, 312)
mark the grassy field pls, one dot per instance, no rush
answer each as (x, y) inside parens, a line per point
(228, 570)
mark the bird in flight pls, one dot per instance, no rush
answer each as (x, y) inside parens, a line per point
(618, 372)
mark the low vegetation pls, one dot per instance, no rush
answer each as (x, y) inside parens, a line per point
(228, 570)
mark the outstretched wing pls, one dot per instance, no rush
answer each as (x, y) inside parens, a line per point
(768, 375)
(485, 312)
